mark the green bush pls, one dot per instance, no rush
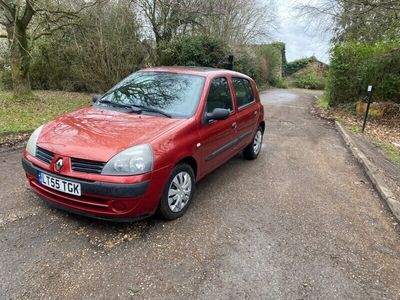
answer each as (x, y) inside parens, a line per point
(354, 66)
(5, 78)
(188, 50)
(282, 84)
(54, 67)
(309, 80)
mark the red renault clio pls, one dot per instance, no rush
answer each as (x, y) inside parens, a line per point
(141, 146)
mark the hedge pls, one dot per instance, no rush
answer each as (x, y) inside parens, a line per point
(201, 50)
(264, 63)
(271, 59)
(355, 65)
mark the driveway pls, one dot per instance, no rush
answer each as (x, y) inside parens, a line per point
(300, 222)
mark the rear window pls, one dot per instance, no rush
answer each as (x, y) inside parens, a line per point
(243, 91)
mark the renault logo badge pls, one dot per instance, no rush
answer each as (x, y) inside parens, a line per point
(59, 164)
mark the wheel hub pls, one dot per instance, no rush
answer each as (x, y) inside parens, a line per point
(179, 191)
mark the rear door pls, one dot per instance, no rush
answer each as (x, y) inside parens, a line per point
(247, 110)
(218, 138)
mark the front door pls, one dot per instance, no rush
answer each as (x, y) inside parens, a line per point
(218, 138)
(248, 111)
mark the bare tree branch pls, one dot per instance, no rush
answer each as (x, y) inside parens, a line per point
(53, 30)
(362, 20)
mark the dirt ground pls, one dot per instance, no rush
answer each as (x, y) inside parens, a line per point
(300, 222)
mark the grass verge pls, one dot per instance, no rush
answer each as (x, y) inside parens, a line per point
(390, 150)
(19, 118)
(323, 102)
(382, 132)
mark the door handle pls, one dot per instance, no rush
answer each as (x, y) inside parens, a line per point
(234, 125)
(255, 113)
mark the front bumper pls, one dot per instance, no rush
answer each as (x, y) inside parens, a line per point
(123, 201)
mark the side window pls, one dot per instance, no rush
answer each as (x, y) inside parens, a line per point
(243, 91)
(219, 95)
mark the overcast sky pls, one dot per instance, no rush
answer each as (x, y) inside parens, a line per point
(300, 42)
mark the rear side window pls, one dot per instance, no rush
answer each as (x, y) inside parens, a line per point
(219, 95)
(243, 90)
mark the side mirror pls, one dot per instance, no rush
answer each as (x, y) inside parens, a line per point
(218, 114)
(96, 98)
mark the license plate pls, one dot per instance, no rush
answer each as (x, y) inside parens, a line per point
(61, 185)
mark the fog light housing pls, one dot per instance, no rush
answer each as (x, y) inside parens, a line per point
(118, 206)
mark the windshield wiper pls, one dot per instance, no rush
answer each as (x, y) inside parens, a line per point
(136, 108)
(114, 103)
(150, 109)
(127, 106)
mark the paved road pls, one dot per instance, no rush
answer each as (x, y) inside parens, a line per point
(301, 222)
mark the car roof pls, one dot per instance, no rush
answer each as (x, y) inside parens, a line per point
(200, 71)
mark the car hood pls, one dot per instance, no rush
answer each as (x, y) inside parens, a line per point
(98, 134)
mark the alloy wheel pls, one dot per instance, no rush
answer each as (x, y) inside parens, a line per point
(179, 191)
(257, 142)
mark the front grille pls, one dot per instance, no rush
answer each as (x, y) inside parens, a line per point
(87, 166)
(44, 155)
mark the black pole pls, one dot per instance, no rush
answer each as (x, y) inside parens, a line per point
(367, 110)
(229, 65)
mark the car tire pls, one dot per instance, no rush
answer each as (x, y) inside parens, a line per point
(253, 149)
(179, 188)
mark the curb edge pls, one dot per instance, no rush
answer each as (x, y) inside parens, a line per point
(372, 172)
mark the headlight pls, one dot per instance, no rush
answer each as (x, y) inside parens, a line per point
(132, 161)
(31, 146)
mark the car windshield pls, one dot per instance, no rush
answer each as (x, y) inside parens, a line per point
(174, 94)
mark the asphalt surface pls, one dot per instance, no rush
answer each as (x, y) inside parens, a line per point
(300, 222)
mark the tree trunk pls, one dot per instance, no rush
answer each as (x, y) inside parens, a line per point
(20, 62)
